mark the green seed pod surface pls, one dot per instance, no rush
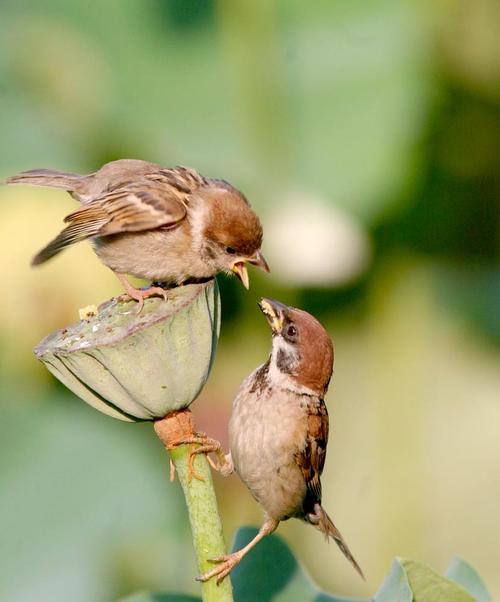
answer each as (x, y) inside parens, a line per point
(139, 366)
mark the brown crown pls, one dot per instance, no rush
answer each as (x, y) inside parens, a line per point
(315, 351)
(232, 222)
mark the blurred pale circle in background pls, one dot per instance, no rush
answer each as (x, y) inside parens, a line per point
(311, 243)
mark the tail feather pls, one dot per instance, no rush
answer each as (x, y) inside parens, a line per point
(70, 235)
(47, 177)
(320, 519)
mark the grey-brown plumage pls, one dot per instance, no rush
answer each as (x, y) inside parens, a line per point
(168, 225)
(278, 431)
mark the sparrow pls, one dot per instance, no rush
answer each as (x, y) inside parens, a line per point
(165, 225)
(278, 430)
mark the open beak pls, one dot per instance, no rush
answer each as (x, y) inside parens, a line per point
(274, 312)
(258, 260)
(240, 269)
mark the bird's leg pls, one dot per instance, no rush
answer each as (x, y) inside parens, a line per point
(206, 446)
(139, 294)
(226, 563)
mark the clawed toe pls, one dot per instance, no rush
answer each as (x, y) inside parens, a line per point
(217, 559)
(206, 446)
(192, 455)
(140, 295)
(191, 469)
(225, 564)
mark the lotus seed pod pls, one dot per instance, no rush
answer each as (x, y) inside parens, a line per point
(139, 366)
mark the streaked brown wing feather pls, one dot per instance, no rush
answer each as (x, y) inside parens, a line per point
(311, 459)
(143, 205)
(184, 179)
(152, 200)
(70, 235)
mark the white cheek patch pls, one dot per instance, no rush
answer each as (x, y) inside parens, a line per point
(197, 220)
(208, 250)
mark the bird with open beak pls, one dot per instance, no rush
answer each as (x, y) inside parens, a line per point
(278, 430)
(168, 226)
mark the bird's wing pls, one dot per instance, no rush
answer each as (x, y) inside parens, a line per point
(142, 205)
(154, 199)
(183, 179)
(157, 198)
(311, 458)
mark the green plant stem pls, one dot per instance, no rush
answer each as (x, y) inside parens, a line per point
(206, 525)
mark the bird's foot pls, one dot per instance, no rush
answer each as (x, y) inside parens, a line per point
(225, 564)
(206, 445)
(139, 294)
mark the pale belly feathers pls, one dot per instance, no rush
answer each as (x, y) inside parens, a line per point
(155, 255)
(263, 441)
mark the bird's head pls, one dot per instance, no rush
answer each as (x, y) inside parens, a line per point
(302, 351)
(231, 232)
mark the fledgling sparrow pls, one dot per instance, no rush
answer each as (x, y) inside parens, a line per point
(278, 430)
(159, 224)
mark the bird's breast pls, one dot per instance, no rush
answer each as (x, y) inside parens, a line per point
(267, 429)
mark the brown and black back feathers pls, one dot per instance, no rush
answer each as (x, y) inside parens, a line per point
(311, 461)
(144, 205)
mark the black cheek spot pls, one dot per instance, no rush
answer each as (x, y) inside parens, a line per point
(209, 251)
(284, 361)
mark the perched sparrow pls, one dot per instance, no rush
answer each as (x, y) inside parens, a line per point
(160, 224)
(278, 430)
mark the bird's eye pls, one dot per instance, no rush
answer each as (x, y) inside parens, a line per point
(291, 331)
(230, 250)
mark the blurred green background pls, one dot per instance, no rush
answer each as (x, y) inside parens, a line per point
(367, 136)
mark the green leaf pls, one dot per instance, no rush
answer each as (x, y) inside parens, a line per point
(428, 586)
(158, 597)
(395, 587)
(271, 572)
(462, 573)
